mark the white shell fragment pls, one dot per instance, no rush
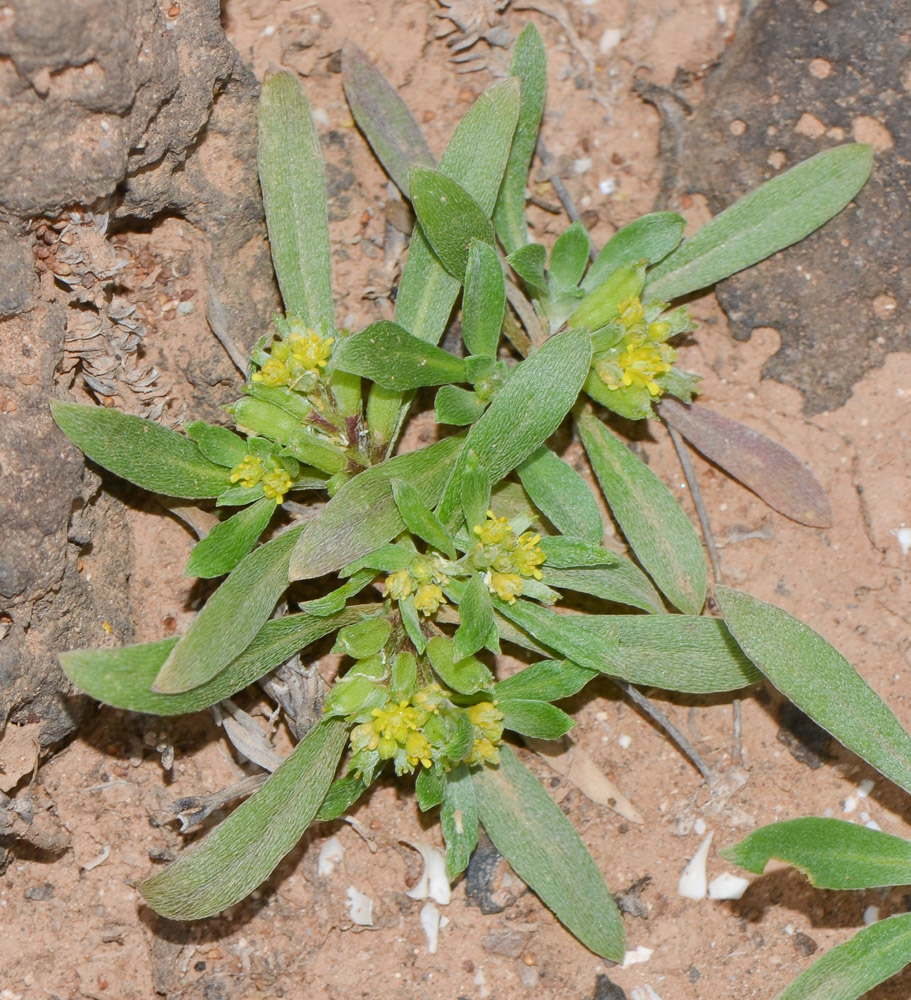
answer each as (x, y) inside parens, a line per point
(636, 957)
(430, 922)
(692, 884)
(434, 882)
(330, 857)
(728, 886)
(610, 39)
(903, 535)
(871, 915)
(360, 907)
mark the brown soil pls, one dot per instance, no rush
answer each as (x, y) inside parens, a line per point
(75, 926)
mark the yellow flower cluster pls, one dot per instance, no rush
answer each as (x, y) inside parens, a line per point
(505, 557)
(423, 578)
(397, 731)
(297, 360)
(252, 470)
(643, 352)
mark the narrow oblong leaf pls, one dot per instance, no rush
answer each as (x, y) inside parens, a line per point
(820, 681)
(529, 64)
(562, 495)
(384, 118)
(391, 357)
(467, 676)
(528, 263)
(217, 444)
(231, 618)
(229, 541)
(832, 853)
(675, 652)
(476, 613)
(459, 819)
(537, 719)
(621, 583)
(144, 453)
(761, 464)
(123, 677)
(449, 217)
(363, 515)
(651, 237)
(531, 831)
(419, 519)
(474, 491)
(525, 412)
(654, 524)
(546, 680)
(342, 794)
(484, 300)
(244, 850)
(293, 180)
(852, 969)
(776, 214)
(456, 406)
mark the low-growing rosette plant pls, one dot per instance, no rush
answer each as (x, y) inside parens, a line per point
(427, 563)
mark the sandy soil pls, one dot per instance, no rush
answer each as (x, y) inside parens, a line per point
(74, 926)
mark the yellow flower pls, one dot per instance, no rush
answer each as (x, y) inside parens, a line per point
(529, 555)
(494, 531)
(482, 752)
(276, 483)
(428, 598)
(631, 311)
(487, 719)
(640, 365)
(507, 586)
(273, 373)
(310, 350)
(248, 472)
(399, 585)
(428, 699)
(418, 750)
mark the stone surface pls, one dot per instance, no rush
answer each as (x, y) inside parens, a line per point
(800, 78)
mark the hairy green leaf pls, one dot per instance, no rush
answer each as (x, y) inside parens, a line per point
(419, 519)
(546, 680)
(561, 495)
(459, 819)
(476, 612)
(484, 300)
(391, 357)
(528, 263)
(229, 541)
(534, 718)
(456, 406)
(623, 583)
(244, 850)
(650, 237)
(293, 180)
(775, 215)
(147, 454)
(820, 682)
(217, 444)
(531, 831)
(467, 676)
(569, 256)
(658, 531)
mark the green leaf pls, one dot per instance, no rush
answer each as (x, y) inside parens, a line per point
(456, 406)
(391, 357)
(403, 675)
(569, 256)
(484, 300)
(244, 850)
(654, 524)
(279, 425)
(459, 819)
(476, 612)
(335, 600)
(546, 680)
(147, 454)
(632, 402)
(467, 676)
(419, 519)
(217, 444)
(561, 495)
(832, 853)
(412, 623)
(530, 830)
(475, 491)
(387, 558)
(651, 237)
(820, 682)
(384, 118)
(229, 541)
(673, 652)
(529, 64)
(123, 677)
(568, 553)
(449, 217)
(852, 969)
(342, 795)
(534, 718)
(525, 412)
(599, 306)
(231, 618)
(293, 180)
(622, 583)
(475, 159)
(778, 213)
(528, 262)
(429, 788)
(363, 639)
(363, 514)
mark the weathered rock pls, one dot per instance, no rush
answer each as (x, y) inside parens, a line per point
(800, 78)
